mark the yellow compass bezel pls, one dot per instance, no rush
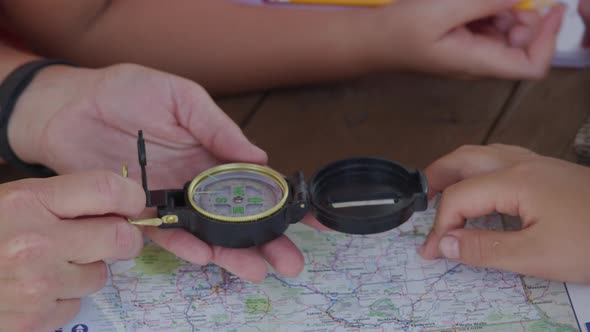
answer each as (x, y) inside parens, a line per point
(241, 167)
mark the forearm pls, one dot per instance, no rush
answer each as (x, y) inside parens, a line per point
(11, 58)
(46, 94)
(225, 46)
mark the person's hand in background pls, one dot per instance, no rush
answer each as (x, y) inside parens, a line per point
(549, 195)
(584, 10)
(54, 235)
(268, 46)
(73, 119)
(469, 38)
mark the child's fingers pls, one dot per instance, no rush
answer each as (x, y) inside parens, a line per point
(542, 48)
(462, 12)
(468, 161)
(456, 166)
(501, 59)
(584, 10)
(524, 28)
(492, 249)
(586, 39)
(471, 198)
(528, 17)
(504, 21)
(488, 29)
(520, 36)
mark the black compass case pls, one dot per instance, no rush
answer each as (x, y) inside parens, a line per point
(366, 195)
(354, 196)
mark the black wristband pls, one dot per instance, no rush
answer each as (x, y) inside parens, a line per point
(10, 90)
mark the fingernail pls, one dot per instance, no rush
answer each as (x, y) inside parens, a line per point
(257, 150)
(449, 247)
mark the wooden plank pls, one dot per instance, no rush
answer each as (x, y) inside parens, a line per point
(409, 118)
(240, 107)
(545, 116)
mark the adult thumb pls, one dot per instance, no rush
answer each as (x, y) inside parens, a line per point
(216, 131)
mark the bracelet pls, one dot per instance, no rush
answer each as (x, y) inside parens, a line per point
(10, 90)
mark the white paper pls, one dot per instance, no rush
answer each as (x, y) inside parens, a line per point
(580, 297)
(570, 52)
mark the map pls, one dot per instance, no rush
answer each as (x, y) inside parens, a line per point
(350, 283)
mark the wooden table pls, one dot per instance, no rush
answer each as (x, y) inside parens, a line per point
(409, 118)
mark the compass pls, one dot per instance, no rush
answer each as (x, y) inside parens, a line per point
(238, 192)
(241, 205)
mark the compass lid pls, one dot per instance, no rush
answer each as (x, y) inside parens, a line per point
(366, 195)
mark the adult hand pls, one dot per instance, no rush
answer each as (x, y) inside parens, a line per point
(90, 119)
(54, 235)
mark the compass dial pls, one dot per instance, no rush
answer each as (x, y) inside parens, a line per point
(238, 192)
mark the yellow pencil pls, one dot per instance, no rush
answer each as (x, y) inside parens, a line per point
(534, 4)
(367, 3)
(523, 5)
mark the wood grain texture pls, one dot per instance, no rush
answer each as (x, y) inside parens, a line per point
(545, 116)
(409, 118)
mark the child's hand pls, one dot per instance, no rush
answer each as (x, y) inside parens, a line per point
(584, 10)
(551, 196)
(469, 38)
(54, 235)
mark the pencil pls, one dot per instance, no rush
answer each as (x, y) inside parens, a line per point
(368, 3)
(523, 5)
(534, 4)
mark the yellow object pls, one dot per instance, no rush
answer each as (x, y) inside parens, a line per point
(371, 3)
(125, 170)
(154, 222)
(534, 4)
(523, 5)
